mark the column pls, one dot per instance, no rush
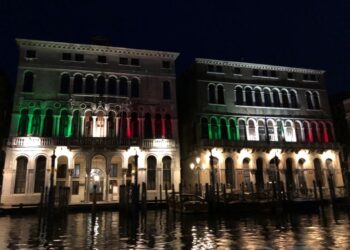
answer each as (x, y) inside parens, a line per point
(29, 129)
(82, 125)
(128, 128)
(117, 126)
(289, 100)
(56, 125)
(243, 93)
(69, 132)
(42, 119)
(253, 96)
(105, 118)
(163, 128)
(94, 132)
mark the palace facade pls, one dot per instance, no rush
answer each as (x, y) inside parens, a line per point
(256, 122)
(94, 110)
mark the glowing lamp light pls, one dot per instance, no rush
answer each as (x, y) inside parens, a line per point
(198, 160)
(192, 166)
(96, 178)
(303, 154)
(329, 154)
(275, 152)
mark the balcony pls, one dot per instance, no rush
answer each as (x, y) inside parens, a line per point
(102, 142)
(265, 145)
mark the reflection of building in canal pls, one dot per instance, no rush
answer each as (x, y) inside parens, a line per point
(251, 123)
(95, 107)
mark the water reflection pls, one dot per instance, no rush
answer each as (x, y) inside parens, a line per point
(161, 230)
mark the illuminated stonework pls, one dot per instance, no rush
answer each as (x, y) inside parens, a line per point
(95, 115)
(243, 115)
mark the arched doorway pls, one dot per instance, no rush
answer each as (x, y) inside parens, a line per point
(246, 174)
(115, 173)
(62, 171)
(259, 177)
(290, 185)
(97, 177)
(301, 177)
(318, 173)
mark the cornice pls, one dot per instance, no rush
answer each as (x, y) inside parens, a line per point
(96, 48)
(258, 66)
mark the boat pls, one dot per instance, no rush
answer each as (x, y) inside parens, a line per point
(188, 204)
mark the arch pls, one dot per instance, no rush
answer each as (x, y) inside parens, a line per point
(322, 132)
(223, 129)
(97, 177)
(229, 173)
(318, 172)
(272, 171)
(158, 126)
(289, 131)
(316, 100)
(166, 90)
(111, 124)
(21, 175)
(280, 131)
(259, 175)
(28, 81)
(271, 130)
(168, 127)
(214, 129)
(134, 125)
(135, 87)
(246, 173)
(151, 172)
(48, 123)
(88, 124)
(258, 99)
(112, 86)
(65, 83)
(63, 129)
(148, 131)
(211, 93)
(204, 128)
(299, 131)
(248, 96)
(267, 97)
(307, 132)
(285, 99)
(36, 123)
(78, 84)
(251, 130)
(89, 84)
(293, 99)
(123, 125)
(23, 123)
(276, 98)
(261, 130)
(76, 124)
(221, 96)
(101, 85)
(314, 132)
(233, 129)
(239, 95)
(309, 100)
(301, 177)
(166, 171)
(40, 171)
(123, 86)
(100, 124)
(242, 130)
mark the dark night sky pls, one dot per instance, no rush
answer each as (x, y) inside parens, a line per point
(311, 34)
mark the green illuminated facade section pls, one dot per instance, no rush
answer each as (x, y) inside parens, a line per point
(215, 129)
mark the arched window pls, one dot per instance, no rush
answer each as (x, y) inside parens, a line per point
(204, 128)
(251, 130)
(242, 130)
(316, 100)
(239, 96)
(151, 172)
(229, 173)
(36, 122)
(166, 172)
(289, 131)
(261, 131)
(246, 174)
(259, 175)
(166, 90)
(148, 132)
(111, 124)
(221, 98)
(285, 101)
(276, 98)
(322, 132)
(48, 123)
(272, 171)
(298, 132)
(168, 127)
(307, 134)
(23, 123)
(223, 129)
(318, 172)
(76, 124)
(134, 125)
(301, 176)
(309, 101)
(134, 87)
(271, 131)
(214, 129)
(290, 185)
(63, 131)
(65, 82)
(123, 87)
(123, 125)
(101, 85)
(329, 132)
(293, 99)
(28, 82)
(233, 130)
(100, 125)
(112, 86)
(314, 132)
(211, 95)
(40, 170)
(248, 96)
(267, 98)
(21, 175)
(258, 100)
(280, 132)
(158, 126)
(88, 126)
(78, 84)
(89, 85)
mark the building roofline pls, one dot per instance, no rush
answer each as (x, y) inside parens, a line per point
(258, 66)
(96, 48)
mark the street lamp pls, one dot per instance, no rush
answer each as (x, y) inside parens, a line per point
(197, 167)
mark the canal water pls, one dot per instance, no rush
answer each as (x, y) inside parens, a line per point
(162, 230)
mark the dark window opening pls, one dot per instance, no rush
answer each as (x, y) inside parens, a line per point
(264, 72)
(79, 57)
(89, 85)
(166, 64)
(112, 86)
(237, 71)
(101, 85)
(28, 82)
(102, 59)
(219, 69)
(290, 75)
(134, 87)
(135, 61)
(123, 87)
(31, 54)
(78, 84)
(255, 72)
(221, 98)
(65, 82)
(211, 93)
(148, 133)
(239, 96)
(123, 60)
(210, 68)
(66, 56)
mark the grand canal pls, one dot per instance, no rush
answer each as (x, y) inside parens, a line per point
(161, 230)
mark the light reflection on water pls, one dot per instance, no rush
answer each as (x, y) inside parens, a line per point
(160, 230)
